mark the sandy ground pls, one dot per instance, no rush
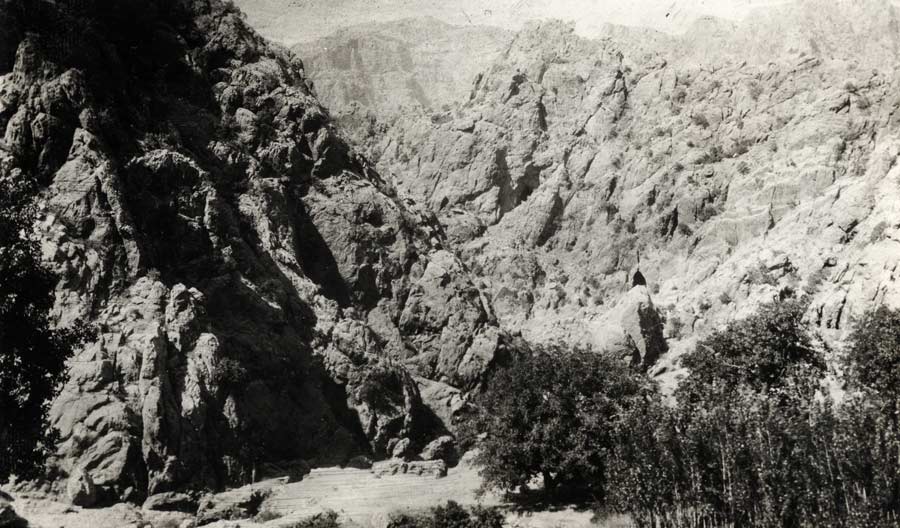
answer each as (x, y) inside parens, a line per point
(358, 496)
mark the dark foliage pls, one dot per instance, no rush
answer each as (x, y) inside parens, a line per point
(873, 358)
(750, 441)
(32, 352)
(551, 413)
(450, 515)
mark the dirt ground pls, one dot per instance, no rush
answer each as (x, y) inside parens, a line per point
(359, 497)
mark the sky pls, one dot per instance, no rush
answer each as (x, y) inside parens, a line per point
(292, 21)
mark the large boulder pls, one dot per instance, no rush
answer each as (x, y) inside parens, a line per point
(80, 489)
(441, 448)
(633, 329)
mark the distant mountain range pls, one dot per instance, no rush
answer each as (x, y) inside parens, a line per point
(413, 63)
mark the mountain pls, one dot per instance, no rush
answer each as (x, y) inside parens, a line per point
(587, 179)
(262, 297)
(416, 62)
(865, 32)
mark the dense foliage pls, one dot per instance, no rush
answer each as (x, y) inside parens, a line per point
(32, 352)
(549, 415)
(451, 515)
(751, 437)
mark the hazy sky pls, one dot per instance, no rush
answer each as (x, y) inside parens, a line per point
(291, 21)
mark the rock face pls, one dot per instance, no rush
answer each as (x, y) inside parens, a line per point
(584, 177)
(256, 286)
(385, 68)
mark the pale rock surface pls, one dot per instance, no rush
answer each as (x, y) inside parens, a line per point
(731, 165)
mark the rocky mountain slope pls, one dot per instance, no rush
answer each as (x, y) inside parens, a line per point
(413, 63)
(257, 287)
(587, 181)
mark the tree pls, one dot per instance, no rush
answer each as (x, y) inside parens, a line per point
(772, 350)
(32, 352)
(747, 442)
(873, 355)
(550, 413)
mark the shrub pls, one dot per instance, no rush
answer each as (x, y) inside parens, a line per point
(712, 155)
(873, 357)
(450, 515)
(550, 414)
(770, 350)
(326, 519)
(761, 275)
(755, 90)
(700, 120)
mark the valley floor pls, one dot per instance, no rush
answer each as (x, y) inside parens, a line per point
(358, 496)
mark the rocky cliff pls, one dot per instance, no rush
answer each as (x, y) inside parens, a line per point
(391, 67)
(261, 295)
(585, 177)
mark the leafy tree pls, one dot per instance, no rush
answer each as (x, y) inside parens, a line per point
(551, 413)
(32, 352)
(873, 357)
(772, 350)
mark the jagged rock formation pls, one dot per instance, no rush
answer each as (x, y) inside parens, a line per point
(399, 66)
(256, 286)
(722, 179)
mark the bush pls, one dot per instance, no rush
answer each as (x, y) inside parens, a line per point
(873, 357)
(700, 120)
(550, 414)
(326, 519)
(450, 515)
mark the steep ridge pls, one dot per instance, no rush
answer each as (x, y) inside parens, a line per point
(400, 66)
(586, 176)
(257, 287)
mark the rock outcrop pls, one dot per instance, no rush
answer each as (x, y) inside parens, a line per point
(256, 286)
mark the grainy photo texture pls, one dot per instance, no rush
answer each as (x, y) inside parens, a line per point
(449, 264)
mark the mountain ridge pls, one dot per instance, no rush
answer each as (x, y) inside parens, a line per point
(261, 295)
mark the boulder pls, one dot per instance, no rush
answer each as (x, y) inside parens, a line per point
(359, 462)
(239, 503)
(632, 329)
(289, 471)
(394, 466)
(402, 449)
(80, 489)
(441, 448)
(171, 502)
